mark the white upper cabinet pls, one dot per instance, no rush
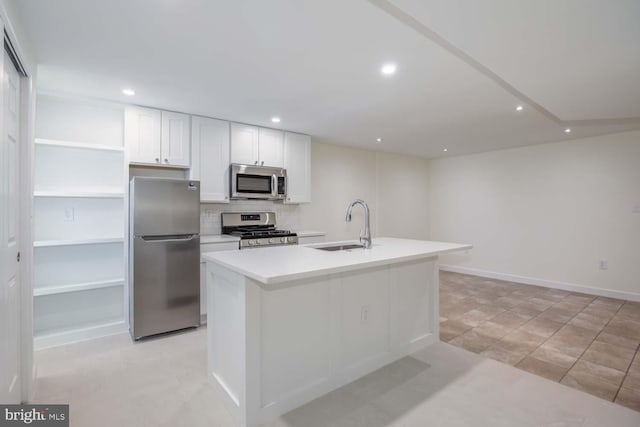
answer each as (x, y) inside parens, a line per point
(176, 146)
(210, 158)
(271, 147)
(142, 135)
(244, 144)
(156, 137)
(252, 145)
(297, 161)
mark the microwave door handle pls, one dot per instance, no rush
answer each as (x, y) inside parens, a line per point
(274, 185)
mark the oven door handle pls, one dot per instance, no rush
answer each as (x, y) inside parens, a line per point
(274, 185)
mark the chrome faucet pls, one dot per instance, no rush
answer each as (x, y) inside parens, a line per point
(365, 236)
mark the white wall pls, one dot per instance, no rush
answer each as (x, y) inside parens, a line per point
(338, 176)
(394, 186)
(549, 212)
(403, 196)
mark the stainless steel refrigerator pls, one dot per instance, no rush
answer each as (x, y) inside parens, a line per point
(164, 253)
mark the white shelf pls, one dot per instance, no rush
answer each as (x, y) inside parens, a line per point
(80, 194)
(61, 289)
(51, 243)
(81, 145)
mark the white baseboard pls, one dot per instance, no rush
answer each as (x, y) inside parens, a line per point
(630, 296)
(77, 335)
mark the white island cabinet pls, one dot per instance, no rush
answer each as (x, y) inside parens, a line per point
(289, 324)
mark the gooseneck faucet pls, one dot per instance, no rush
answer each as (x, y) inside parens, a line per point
(365, 235)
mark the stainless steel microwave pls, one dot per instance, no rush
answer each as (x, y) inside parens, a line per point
(258, 182)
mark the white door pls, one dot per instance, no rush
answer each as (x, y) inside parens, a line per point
(9, 216)
(271, 147)
(142, 134)
(244, 144)
(176, 144)
(210, 160)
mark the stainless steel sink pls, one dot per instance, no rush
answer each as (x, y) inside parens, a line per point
(340, 247)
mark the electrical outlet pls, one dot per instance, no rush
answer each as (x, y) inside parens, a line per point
(364, 314)
(69, 214)
(604, 264)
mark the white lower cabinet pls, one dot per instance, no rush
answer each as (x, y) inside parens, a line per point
(297, 162)
(211, 247)
(210, 158)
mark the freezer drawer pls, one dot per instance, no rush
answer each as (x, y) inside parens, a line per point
(165, 292)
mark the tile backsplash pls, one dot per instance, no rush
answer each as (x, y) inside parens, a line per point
(287, 216)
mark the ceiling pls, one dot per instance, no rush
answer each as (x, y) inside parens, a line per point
(462, 66)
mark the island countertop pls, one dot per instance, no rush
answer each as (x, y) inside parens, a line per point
(286, 263)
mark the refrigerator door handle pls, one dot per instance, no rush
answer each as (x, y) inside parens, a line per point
(164, 239)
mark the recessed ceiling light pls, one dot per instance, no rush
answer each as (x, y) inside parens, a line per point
(519, 108)
(445, 150)
(379, 139)
(128, 92)
(275, 119)
(388, 69)
(567, 130)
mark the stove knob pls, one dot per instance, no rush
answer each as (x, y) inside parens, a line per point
(251, 242)
(272, 240)
(291, 239)
(283, 240)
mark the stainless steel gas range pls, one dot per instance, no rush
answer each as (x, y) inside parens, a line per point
(256, 229)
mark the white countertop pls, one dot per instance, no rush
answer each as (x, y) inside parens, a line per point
(218, 238)
(285, 263)
(309, 233)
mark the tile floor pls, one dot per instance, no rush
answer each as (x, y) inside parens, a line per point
(163, 383)
(582, 341)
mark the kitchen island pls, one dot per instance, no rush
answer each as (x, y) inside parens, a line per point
(288, 324)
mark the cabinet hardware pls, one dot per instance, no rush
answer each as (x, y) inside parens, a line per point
(166, 160)
(262, 164)
(255, 163)
(157, 160)
(18, 257)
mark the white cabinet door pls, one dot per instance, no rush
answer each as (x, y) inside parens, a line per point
(204, 248)
(176, 144)
(210, 158)
(271, 147)
(297, 161)
(142, 135)
(244, 144)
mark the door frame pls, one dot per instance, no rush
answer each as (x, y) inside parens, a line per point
(26, 153)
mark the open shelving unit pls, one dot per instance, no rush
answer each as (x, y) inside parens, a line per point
(79, 220)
